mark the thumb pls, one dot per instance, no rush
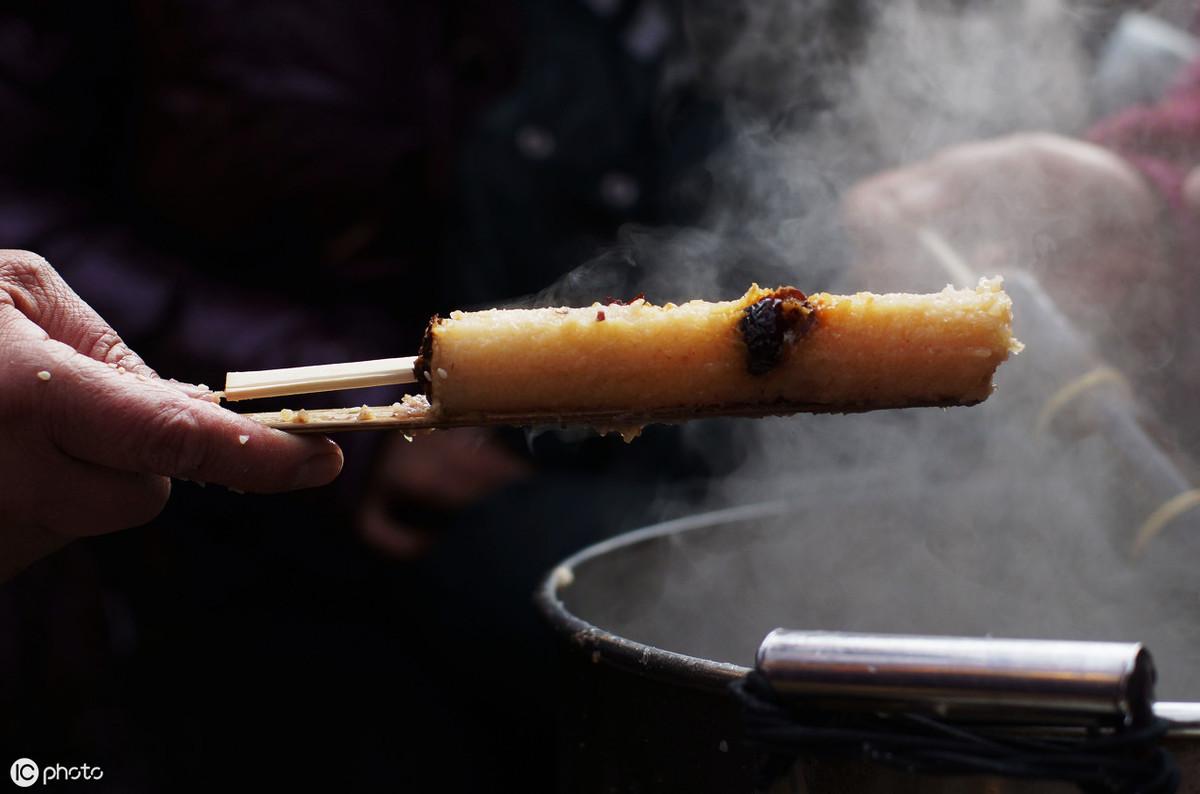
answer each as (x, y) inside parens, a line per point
(144, 425)
(135, 423)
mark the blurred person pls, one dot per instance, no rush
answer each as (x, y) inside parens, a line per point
(231, 188)
(243, 201)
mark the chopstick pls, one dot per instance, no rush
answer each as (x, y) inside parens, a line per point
(414, 415)
(946, 255)
(318, 378)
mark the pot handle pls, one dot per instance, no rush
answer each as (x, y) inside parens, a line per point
(1080, 712)
(1041, 681)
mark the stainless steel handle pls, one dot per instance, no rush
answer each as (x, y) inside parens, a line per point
(1041, 681)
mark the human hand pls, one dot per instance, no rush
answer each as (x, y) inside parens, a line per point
(419, 485)
(90, 435)
(1073, 213)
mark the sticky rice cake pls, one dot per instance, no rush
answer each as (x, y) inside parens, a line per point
(775, 349)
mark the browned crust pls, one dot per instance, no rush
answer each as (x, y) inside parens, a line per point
(678, 414)
(424, 360)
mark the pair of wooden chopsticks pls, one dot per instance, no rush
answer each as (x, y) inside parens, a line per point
(409, 414)
(413, 414)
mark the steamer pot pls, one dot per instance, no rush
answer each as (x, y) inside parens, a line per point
(654, 625)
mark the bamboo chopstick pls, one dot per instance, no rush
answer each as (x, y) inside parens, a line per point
(414, 414)
(319, 378)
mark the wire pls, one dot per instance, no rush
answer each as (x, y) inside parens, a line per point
(1112, 761)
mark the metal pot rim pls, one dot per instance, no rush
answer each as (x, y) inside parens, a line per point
(679, 669)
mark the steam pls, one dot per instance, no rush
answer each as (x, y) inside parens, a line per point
(962, 521)
(935, 78)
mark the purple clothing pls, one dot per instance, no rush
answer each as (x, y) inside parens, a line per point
(240, 194)
(1163, 141)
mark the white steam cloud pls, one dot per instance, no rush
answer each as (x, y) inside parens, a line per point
(1017, 517)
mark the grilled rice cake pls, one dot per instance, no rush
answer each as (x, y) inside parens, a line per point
(777, 350)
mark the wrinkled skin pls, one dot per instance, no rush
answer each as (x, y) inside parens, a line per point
(92, 449)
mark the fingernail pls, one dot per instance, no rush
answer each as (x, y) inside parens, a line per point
(318, 470)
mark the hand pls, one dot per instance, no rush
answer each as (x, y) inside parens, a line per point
(1076, 215)
(89, 434)
(419, 485)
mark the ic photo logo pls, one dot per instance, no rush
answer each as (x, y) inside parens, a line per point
(25, 772)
